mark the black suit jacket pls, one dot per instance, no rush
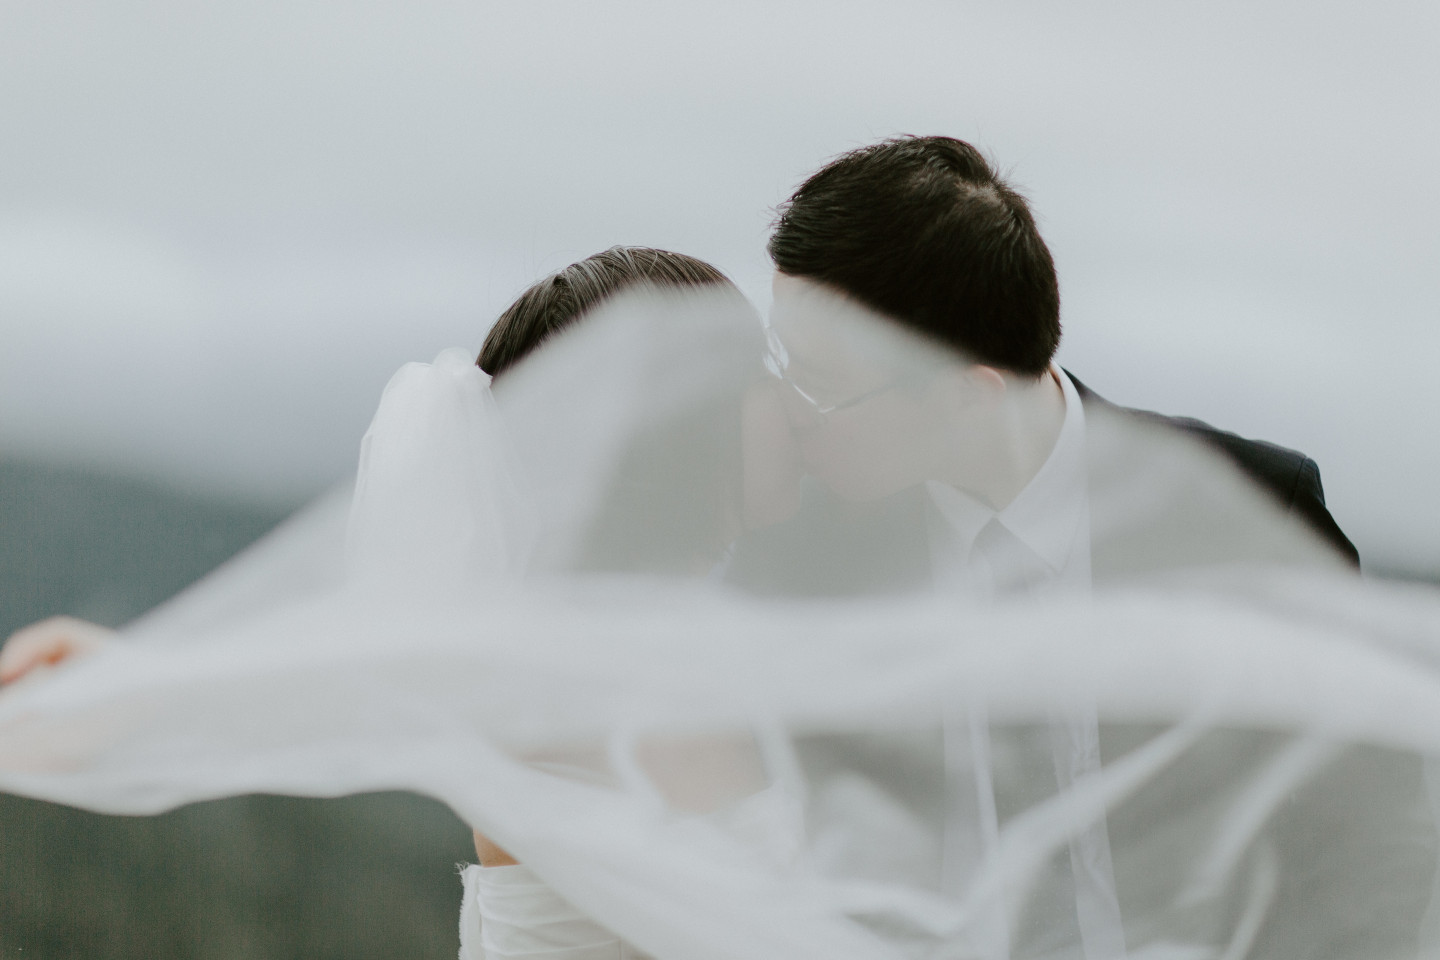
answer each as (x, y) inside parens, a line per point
(1160, 501)
(1167, 494)
(1288, 476)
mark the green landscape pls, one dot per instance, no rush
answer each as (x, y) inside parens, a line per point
(239, 879)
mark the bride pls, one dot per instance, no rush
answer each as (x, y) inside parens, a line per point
(714, 628)
(519, 908)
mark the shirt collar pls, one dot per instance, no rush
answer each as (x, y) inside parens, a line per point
(1047, 512)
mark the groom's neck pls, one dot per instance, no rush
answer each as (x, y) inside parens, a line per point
(1011, 440)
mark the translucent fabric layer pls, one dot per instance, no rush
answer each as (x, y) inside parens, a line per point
(724, 635)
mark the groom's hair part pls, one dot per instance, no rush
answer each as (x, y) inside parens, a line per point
(925, 231)
(564, 297)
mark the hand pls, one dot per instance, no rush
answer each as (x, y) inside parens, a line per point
(50, 643)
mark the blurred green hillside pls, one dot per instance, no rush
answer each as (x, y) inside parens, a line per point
(240, 879)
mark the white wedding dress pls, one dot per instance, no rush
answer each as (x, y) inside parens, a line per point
(716, 739)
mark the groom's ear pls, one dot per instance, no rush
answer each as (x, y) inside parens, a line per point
(968, 386)
(986, 381)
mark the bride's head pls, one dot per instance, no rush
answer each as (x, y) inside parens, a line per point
(556, 302)
(666, 480)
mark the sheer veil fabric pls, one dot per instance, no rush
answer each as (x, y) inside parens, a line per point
(683, 646)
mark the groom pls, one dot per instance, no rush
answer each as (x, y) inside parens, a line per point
(924, 233)
(966, 461)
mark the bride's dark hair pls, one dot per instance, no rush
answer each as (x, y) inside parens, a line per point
(562, 298)
(679, 526)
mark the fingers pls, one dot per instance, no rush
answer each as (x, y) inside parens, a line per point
(48, 643)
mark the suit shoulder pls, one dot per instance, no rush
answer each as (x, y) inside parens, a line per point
(1278, 469)
(1288, 475)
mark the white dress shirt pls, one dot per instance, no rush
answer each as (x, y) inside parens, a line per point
(1037, 544)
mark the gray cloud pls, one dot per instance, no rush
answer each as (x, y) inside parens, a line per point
(221, 226)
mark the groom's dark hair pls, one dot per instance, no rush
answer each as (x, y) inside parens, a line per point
(925, 231)
(564, 297)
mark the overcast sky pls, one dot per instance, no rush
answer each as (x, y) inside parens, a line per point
(223, 225)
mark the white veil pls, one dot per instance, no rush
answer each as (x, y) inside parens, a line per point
(731, 722)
